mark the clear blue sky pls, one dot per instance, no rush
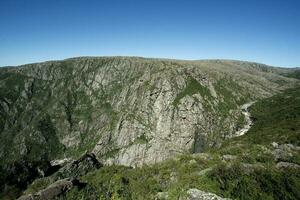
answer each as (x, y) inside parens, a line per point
(266, 31)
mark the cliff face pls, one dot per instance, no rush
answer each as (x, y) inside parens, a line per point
(128, 111)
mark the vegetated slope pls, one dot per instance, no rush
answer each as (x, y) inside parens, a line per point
(129, 111)
(262, 164)
(293, 73)
(135, 108)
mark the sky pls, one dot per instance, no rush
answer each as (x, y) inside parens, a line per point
(265, 31)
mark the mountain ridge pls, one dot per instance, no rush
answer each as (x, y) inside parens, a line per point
(151, 58)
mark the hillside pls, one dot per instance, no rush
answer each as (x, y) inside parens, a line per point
(262, 164)
(125, 110)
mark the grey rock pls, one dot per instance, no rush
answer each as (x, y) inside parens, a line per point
(284, 152)
(173, 177)
(86, 163)
(228, 157)
(195, 194)
(55, 189)
(289, 147)
(250, 168)
(60, 162)
(287, 165)
(162, 196)
(193, 161)
(204, 171)
(26, 197)
(203, 156)
(274, 144)
(51, 192)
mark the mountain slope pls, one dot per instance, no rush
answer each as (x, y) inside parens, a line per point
(133, 108)
(126, 110)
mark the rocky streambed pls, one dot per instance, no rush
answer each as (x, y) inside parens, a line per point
(249, 122)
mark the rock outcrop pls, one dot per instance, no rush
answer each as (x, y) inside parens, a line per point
(195, 194)
(191, 194)
(86, 163)
(52, 191)
(287, 165)
(284, 152)
(66, 178)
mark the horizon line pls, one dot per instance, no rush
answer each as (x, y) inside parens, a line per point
(145, 57)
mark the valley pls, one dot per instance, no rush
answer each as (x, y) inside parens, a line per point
(143, 128)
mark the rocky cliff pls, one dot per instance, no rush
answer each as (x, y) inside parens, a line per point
(128, 111)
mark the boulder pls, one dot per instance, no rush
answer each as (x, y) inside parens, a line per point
(162, 196)
(26, 197)
(274, 144)
(52, 191)
(204, 171)
(195, 194)
(228, 157)
(203, 156)
(250, 168)
(284, 152)
(80, 167)
(287, 165)
(55, 189)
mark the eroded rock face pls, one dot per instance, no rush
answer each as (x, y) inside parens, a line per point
(129, 111)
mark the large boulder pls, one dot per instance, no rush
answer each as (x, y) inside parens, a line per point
(53, 190)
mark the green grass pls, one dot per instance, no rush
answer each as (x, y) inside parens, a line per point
(259, 184)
